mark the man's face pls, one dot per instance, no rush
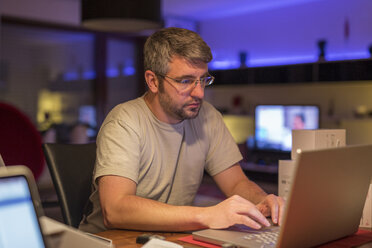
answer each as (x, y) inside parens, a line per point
(298, 123)
(177, 103)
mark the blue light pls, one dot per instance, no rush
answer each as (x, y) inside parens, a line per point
(208, 10)
(129, 71)
(234, 64)
(273, 61)
(224, 64)
(70, 76)
(112, 72)
(89, 75)
(348, 56)
(282, 61)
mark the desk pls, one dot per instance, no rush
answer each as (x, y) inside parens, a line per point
(127, 239)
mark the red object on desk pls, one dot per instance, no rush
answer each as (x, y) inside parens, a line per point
(189, 239)
(359, 238)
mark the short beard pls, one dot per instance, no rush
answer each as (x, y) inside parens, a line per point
(169, 107)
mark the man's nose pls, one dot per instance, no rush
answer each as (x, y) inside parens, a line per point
(198, 91)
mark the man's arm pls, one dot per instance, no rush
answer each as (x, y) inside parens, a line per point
(121, 208)
(233, 181)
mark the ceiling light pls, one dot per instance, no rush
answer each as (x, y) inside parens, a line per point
(121, 15)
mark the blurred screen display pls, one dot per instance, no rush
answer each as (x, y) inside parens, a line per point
(274, 124)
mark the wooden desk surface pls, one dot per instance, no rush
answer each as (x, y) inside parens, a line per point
(127, 239)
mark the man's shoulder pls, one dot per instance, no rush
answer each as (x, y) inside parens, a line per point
(209, 111)
(128, 106)
(127, 110)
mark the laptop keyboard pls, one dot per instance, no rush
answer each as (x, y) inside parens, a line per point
(267, 239)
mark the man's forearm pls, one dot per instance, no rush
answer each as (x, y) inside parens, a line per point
(144, 214)
(233, 181)
(133, 212)
(122, 209)
(249, 190)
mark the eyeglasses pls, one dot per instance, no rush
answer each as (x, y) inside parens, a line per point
(187, 84)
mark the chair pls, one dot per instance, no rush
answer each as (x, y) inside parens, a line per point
(71, 168)
(20, 142)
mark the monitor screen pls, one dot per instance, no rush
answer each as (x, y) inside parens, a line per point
(274, 124)
(19, 226)
(87, 116)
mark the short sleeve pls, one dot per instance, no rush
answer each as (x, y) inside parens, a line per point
(118, 151)
(223, 151)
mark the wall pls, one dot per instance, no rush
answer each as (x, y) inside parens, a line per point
(289, 34)
(343, 97)
(27, 69)
(37, 60)
(267, 35)
(277, 35)
(122, 86)
(57, 11)
(339, 98)
(23, 79)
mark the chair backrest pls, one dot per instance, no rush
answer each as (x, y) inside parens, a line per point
(71, 167)
(20, 141)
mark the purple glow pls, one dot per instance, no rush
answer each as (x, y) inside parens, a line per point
(112, 72)
(88, 75)
(129, 71)
(70, 76)
(272, 61)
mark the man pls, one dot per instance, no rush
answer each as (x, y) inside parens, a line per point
(298, 121)
(152, 151)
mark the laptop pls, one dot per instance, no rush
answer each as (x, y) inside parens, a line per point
(325, 203)
(20, 209)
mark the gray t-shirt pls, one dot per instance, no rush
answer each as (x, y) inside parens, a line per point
(166, 161)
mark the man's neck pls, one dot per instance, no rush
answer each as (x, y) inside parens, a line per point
(152, 102)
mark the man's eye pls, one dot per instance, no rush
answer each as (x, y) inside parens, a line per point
(186, 81)
(204, 79)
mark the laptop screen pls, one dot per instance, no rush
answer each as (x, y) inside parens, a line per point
(19, 226)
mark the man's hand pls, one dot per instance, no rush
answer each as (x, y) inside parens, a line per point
(274, 206)
(234, 210)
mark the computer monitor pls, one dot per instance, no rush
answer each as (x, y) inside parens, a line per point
(87, 115)
(19, 209)
(274, 124)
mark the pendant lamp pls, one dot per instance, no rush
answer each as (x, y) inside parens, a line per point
(121, 15)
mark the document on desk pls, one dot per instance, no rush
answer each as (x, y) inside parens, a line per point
(159, 243)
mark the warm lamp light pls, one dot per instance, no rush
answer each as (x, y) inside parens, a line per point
(121, 15)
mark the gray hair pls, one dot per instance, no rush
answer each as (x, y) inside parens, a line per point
(161, 46)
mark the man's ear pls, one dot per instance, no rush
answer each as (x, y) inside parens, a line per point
(152, 81)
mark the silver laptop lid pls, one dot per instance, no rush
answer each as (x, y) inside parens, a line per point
(20, 209)
(327, 196)
(326, 201)
(2, 164)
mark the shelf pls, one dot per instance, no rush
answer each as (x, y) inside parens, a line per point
(333, 71)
